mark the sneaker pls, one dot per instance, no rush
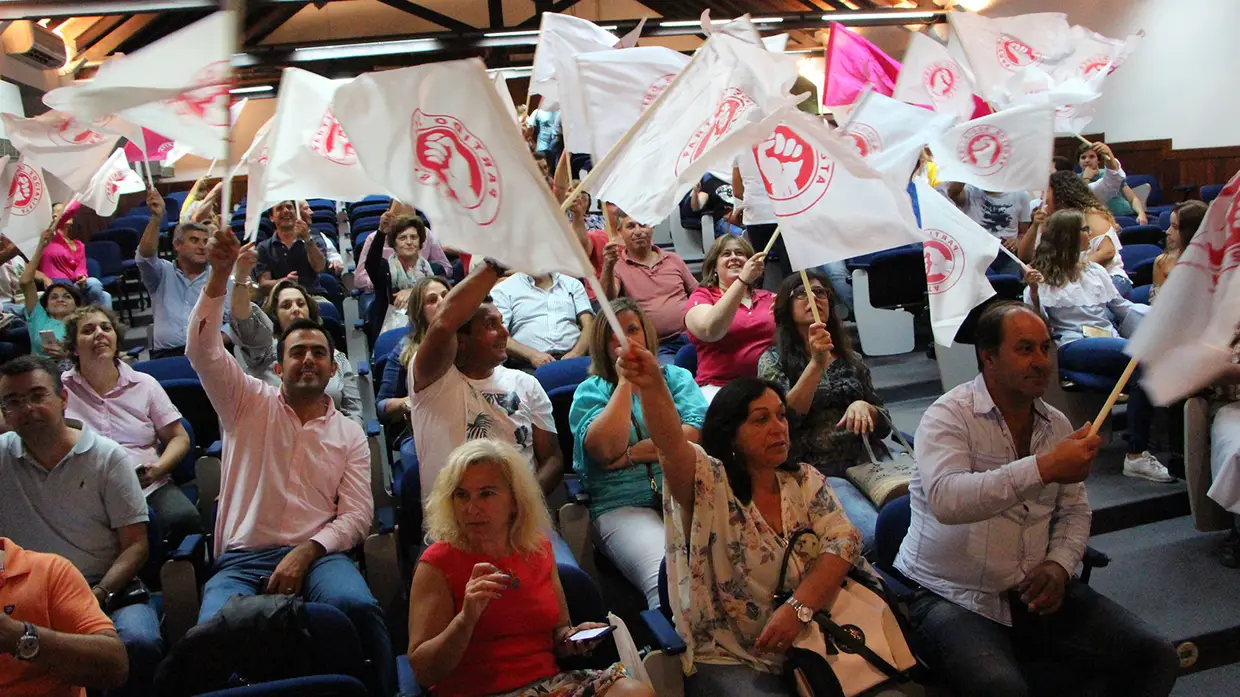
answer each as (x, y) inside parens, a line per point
(1147, 467)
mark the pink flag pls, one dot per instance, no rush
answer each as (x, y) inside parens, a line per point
(1189, 336)
(157, 147)
(852, 63)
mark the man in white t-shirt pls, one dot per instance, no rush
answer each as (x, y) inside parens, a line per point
(460, 389)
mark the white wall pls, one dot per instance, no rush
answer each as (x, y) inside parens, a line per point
(1182, 83)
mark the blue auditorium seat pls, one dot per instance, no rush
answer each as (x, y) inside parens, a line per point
(1139, 262)
(1209, 192)
(1164, 220)
(1141, 294)
(687, 358)
(1154, 204)
(1142, 234)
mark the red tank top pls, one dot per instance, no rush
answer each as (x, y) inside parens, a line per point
(511, 645)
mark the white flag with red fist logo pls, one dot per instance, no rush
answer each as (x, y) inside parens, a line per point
(617, 86)
(560, 38)
(931, 76)
(730, 96)
(177, 86)
(113, 179)
(742, 28)
(1007, 151)
(61, 144)
(439, 138)
(831, 205)
(958, 252)
(28, 208)
(1001, 47)
(1192, 333)
(255, 159)
(310, 154)
(890, 134)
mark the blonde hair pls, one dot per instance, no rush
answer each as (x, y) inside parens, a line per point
(532, 524)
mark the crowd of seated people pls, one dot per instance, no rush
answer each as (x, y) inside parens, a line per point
(706, 475)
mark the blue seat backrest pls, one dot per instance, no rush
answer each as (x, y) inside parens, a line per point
(570, 371)
(165, 369)
(1164, 220)
(1135, 180)
(327, 309)
(184, 470)
(1135, 254)
(1142, 234)
(1209, 192)
(898, 277)
(93, 269)
(1140, 294)
(687, 358)
(385, 344)
(108, 254)
(890, 529)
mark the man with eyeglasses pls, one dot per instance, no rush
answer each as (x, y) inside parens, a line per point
(66, 490)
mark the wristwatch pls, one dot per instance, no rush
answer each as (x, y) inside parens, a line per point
(107, 597)
(27, 643)
(804, 612)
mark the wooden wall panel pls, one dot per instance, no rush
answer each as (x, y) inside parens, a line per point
(1191, 167)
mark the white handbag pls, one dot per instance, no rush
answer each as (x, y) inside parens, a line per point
(854, 646)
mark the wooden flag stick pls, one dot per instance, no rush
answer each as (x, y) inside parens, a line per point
(809, 295)
(771, 242)
(1110, 403)
(608, 223)
(1082, 139)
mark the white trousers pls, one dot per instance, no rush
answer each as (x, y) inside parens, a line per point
(634, 540)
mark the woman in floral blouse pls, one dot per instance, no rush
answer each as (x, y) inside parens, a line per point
(832, 405)
(730, 507)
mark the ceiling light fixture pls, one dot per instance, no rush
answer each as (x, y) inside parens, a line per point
(686, 23)
(846, 17)
(526, 32)
(373, 48)
(251, 90)
(767, 20)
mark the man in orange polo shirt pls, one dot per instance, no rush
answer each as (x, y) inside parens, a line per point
(54, 638)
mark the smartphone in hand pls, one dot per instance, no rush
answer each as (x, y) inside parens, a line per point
(592, 634)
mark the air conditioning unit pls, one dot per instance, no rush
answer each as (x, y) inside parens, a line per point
(34, 45)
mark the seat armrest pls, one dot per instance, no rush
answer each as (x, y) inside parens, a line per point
(1095, 559)
(664, 633)
(190, 549)
(576, 491)
(363, 367)
(216, 449)
(372, 428)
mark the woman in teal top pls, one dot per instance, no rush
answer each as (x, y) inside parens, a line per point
(47, 313)
(614, 456)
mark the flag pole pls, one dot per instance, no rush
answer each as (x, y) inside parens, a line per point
(621, 144)
(1110, 403)
(771, 242)
(809, 295)
(232, 47)
(1082, 139)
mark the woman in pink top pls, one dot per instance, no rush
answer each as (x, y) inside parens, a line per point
(729, 319)
(487, 614)
(65, 258)
(132, 409)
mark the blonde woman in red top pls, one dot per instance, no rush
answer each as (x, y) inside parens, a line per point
(487, 614)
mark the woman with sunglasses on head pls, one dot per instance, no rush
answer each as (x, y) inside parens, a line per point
(487, 613)
(732, 507)
(833, 409)
(1089, 321)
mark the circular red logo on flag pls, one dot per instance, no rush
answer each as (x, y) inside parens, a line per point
(655, 89)
(208, 100)
(1014, 53)
(941, 79)
(1090, 66)
(449, 157)
(69, 131)
(111, 188)
(26, 191)
(796, 176)
(864, 138)
(944, 261)
(984, 149)
(331, 142)
(733, 104)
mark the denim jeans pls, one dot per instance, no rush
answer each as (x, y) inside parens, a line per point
(723, 227)
(734, 681)
(859, 509)
(138, 628)
(837, 271)
(669, 347)
(1123, 284)
(331, 579)
(633, 538)
(94, 294)
(1105, 356)
(1090, 635)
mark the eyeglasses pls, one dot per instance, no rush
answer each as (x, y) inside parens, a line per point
(819, 292)
(16, 402)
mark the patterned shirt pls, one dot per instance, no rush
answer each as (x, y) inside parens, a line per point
(815, 437)
(724, 562)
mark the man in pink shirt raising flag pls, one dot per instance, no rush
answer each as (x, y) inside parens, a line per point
(295, 483)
